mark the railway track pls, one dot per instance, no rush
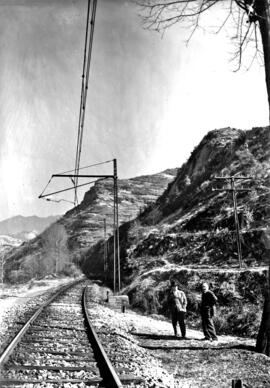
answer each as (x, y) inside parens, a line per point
(58, 347)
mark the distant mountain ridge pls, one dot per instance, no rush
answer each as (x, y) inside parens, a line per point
(19, 226)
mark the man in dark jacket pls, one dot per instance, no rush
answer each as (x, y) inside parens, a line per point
(178, 306)
(208, 305)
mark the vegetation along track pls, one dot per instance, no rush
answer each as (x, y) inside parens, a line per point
(58, 347)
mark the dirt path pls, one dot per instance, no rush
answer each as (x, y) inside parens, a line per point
(194, 363)
(167, 267)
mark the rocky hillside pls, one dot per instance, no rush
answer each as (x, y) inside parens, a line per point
(85, 223)
(192, 213)
(71, 236)
(7, 243)
(189, 233)
(16, 230)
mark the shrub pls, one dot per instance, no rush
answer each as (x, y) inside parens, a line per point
(193, 302)
(244, 321)
(18, 276)
(221, 322)
(70, 269)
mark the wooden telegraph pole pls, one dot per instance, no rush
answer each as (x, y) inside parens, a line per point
(234, 191)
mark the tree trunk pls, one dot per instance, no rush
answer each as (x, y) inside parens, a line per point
(263, 10)
(263, 338)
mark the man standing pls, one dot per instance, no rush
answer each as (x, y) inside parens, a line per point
(208, 305)
(178, 306)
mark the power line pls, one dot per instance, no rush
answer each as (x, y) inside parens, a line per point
(89, 34)
(82, 98)
(84, 167)
(42, 195)
(64, 174)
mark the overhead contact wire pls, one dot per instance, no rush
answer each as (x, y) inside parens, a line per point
(70, 188)
(82, 97)
(84, 167)
(45, 187)
(92, 23)
(87, 58)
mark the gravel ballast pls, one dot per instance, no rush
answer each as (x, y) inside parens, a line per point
(180, 364)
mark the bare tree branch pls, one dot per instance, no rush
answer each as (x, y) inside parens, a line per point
(226, 19)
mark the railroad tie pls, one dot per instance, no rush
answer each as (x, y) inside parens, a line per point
(52, 367)
(95, 381)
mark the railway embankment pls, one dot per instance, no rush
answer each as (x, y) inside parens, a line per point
(151, 352)
(191, 363)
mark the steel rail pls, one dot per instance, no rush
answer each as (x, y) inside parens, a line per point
(9, 349)
(110, 377)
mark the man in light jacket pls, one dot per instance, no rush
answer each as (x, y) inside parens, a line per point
(178, 306)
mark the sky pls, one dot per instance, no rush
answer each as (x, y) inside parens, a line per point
(151, 97)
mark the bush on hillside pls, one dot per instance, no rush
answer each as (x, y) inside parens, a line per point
(18, 276)
(71, 269)
(237, 311)
(244, 320)
(150, 302)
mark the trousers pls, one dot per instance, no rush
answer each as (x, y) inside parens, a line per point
(179, 317)
(208, 326)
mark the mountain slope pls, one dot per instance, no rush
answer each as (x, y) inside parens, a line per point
(84, 224)
(70, 237)
(192, 222)
(189, 233)
(202, 218)
(7, 243)
(223, 152)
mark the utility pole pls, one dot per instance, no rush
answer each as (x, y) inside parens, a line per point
(2, 270)
(116, 229)
(234, 191)
(116, 254)
(105, 249)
